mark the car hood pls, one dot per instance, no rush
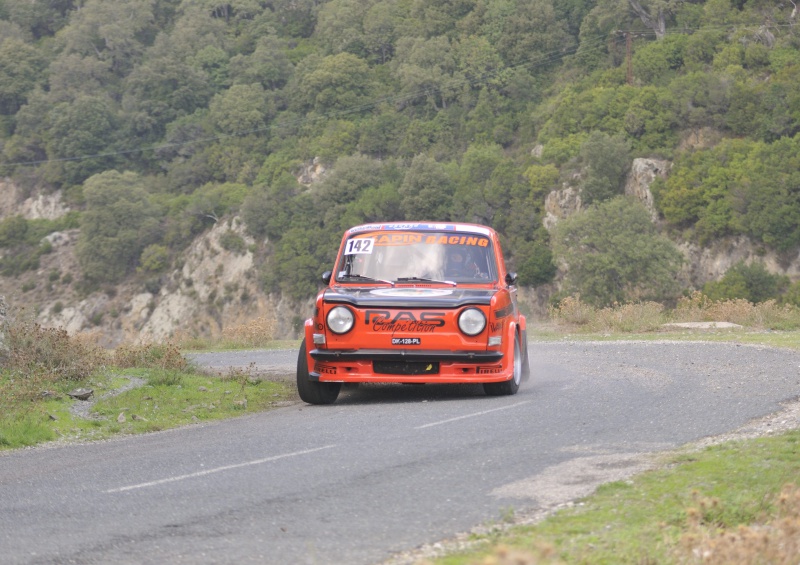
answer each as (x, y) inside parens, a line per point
(408, 297)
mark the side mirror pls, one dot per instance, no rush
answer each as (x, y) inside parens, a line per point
(326, 277)
(511, 279)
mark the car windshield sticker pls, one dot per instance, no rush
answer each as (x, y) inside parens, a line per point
(361, 245)
(390, 239)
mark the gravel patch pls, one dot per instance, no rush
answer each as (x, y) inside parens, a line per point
(82, 408)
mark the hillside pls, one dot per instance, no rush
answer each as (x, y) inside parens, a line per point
(184, 165)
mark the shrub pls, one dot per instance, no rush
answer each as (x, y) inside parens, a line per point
(792, 295)
(750, 282)
(165, 356)
(49, 352)
(233, 242)
(154, 258)
(255, 333)
(774, 542)
(769, 314)
(631, 317)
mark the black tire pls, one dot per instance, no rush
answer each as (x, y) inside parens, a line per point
(313, 392)
(511, 386)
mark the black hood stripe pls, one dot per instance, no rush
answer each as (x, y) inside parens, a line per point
(360, 297)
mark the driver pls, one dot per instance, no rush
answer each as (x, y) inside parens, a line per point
(460, 264)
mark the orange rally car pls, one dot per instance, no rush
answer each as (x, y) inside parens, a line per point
(415, 303)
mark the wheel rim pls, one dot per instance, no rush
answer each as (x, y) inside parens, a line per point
(517, 362)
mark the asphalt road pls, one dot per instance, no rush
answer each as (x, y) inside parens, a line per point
(385, 469)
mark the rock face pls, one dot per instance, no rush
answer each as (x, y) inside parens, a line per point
(704, 264)
(35, 207)
(643, 173)
(561, 204)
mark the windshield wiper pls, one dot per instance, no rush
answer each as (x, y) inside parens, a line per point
(423, 279)
(364, 278)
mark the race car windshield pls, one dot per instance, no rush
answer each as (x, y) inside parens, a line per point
(409, 257)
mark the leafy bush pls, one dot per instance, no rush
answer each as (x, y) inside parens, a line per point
(119, 222)
(154, 258)
(751, 282)
(614, 254)
(233, 242)
(607, 161)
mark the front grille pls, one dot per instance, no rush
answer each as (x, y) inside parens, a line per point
(405, 367)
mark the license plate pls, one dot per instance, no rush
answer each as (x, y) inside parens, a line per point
(406, 341)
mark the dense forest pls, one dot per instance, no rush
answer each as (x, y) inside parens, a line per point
(158, 118)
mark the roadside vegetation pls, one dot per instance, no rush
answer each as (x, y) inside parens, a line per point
(136, 388)
(736, 502)
(573, 315)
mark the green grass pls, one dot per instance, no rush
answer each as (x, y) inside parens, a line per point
(786, 339)
(644, 520)
(169, 399)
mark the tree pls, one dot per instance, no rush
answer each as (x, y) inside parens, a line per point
(426, 68)
(484, 184)
(71, 75)
(381, 29)
(654, 16)
(81, 138)
(119, 222)
(40, 18)
(426, 191)
(268, 64)
(111, 31)
(21, 70)
(162, 90)
(336, 82)
(614, 254)
(438, 17)
(339, 26)
(240, 109)
(606, 162)
(530, 33)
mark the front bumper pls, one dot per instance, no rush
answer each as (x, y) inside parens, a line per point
(407, 366)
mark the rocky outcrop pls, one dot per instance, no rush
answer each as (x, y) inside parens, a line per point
(642, 174)
(312, 172)
(213, 289)
(704, 264)
(561, 204)
(34, 207)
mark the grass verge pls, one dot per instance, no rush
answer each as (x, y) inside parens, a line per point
(136, 388)
(736, 502)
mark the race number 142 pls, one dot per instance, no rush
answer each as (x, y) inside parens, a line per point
(355, 246)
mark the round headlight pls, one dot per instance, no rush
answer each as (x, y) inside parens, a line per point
(340, 320)
(471, 321)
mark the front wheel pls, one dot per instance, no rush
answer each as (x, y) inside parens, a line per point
(511, 386)
(313, 392)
